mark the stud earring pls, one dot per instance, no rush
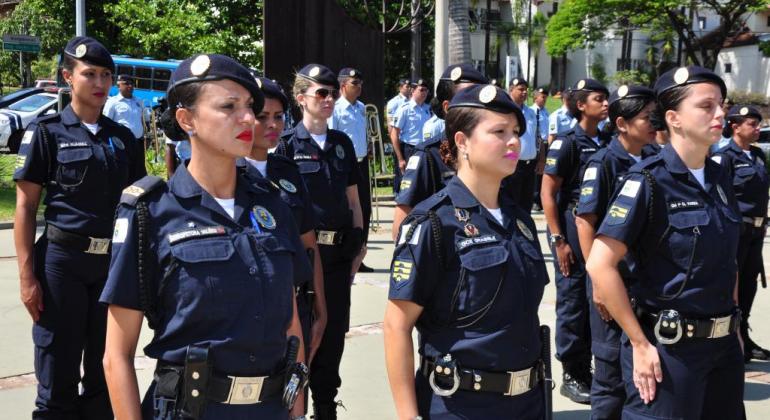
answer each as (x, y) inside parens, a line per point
(465, 156)
(191, 133)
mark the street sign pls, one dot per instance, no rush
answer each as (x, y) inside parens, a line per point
(23, 43)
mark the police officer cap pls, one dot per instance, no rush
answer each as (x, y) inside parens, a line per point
(491, 98)
(125, 78)
(351, 72)
(633, 91)
(519, 81)
(589, 85)
(687, 76)
(272, 90)
(89, 50)
(744, 111)
(319, 74)
(464, 73)
(210, 67)
(541, 90)
(421, 82)
(403, 82)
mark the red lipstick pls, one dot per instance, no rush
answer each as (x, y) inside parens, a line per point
(245, 136)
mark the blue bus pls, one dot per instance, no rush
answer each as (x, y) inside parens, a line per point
(150, 77)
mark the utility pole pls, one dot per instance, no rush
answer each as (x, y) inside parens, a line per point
(416, 41)
(80, 17)
(441, 41)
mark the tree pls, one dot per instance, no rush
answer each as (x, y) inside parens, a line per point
(459, 32)
(581, 22)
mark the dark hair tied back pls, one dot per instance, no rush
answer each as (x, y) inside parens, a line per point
(668, 100)
(183, 96)
(628, 109)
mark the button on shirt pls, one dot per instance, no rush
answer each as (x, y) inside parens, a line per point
(560, 122)
(542, 120)
(528, 140)
(351, 120)
(434, 130)
(410, 119)
(392, 107)
(750, 178)
(126, 112)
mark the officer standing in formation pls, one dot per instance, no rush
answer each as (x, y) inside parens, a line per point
(468, 272)
(521, 185)
(629, 113)
(404, 94)
(407, 129)
(561, 121)
(565, 165)
(327, 162)
(83, 160)
(680, 351)
(350, 117)
(426, 172)
(751, 183)
(127, 110)
(541, 133)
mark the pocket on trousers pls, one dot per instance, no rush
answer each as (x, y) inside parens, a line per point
(41, 336)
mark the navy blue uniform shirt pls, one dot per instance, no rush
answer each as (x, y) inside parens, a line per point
(229, 283)
(480, 289)
(686, 222)
(425, 174)
(327, 173)
(567, 158)
(83, 173)
(750, 178)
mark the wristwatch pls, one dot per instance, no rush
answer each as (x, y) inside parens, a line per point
(556, 238)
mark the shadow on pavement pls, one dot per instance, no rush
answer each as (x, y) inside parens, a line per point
(756, 391)
(571, 415)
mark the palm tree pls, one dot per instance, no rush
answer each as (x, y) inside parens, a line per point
(459, 32)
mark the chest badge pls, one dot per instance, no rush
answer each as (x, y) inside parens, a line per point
(462, 215)
(264, 217)
(340, 151)
(288, 186)
(471, 230)
(525, 230)
(722, 195)
(118, 143)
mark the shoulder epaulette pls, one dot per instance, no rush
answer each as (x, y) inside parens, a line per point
(47, 118)
(139, 189)
(432, 202)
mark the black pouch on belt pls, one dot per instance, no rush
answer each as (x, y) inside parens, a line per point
(197, 372)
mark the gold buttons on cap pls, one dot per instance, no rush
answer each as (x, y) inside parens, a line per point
(581, 84)
(456, 74)
(200, 65)
(487, 94)
(681, 76)
(623, 91)
(315, 71)
(744, 111)
(81, 51)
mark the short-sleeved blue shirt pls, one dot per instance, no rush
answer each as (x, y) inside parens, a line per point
(434, 130)
(410, 119)
(425, 174)
(542, 120)
(560, 122)
(392, 107)
(750, 178)
(479, 285)
(351, 120)
(675, 220)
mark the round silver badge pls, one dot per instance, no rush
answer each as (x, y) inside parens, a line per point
(456, 74)
(315, 71)
(681, 75)
(200, 65)
(81, 51)
(581, 84)
(487, 94)
(623, 91)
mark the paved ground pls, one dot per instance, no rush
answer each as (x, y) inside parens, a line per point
(365, 391)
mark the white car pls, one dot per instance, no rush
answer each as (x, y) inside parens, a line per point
(16, 117)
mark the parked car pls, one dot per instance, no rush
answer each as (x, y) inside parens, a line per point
(764, 140)
(44, 83)
(15, 118)
(19, 94)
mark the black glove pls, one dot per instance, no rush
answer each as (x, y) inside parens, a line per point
(354, 239)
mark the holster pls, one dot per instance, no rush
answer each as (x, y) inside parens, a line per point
(197, 372)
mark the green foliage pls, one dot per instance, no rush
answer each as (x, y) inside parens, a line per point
(748, 98)
(764, 46)
(44, 68)
(630, 77)
(598, 71)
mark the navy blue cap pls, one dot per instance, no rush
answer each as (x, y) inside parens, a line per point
(351, 72)
(125, 78)
(589, 85)
(464, 73)
(687, 76)
(402, 82)
(744, 111)
(273, 90)
(633, 91)
(89, 50)
(421, 82)
(541, 90)
(211, 67)
(320, 74)
(489, 97)
(519, 81)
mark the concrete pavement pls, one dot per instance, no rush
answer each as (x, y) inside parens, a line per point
(365, 392)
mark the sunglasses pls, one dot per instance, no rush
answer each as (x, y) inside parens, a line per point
(324, 93)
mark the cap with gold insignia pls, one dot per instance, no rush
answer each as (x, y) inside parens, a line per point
(464, 73)
(683, 76)
(126, 78)
(351, 72)
(421, 82)
(743, 111)
(541, 90)
(590, 85)
(211, 67)
(273, 90)
(518, 82)
(402, 82)
(632, 91)
(488, 97)
(89, 50)
(320, 74)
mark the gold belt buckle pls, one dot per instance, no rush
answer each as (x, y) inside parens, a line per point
(245, 390)
(98, 246)
(326, 237)
(519, 382)
(721, 327)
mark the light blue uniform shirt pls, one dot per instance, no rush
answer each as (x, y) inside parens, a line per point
(182, 149)
(528, 140)
(433, 130)
(542, 122)
(126, 112)
(560, 122)
(351, 120)
(392, 107)
(410, 119)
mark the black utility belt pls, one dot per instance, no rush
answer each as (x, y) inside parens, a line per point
(756, 222)
(226, 389)
(87, 244)
(669, 326)
(509, 384)
(329, 237)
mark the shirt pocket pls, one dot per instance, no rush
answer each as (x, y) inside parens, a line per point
(73, 166)
(743, 175)
(685, 230)
(276, 256)
(311, 173)
(481, 277)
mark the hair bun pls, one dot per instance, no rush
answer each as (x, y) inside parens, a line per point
(170, 126)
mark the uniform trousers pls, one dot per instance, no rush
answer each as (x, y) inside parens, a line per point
(607, 389)
(364, 195)
(749, 267)
(71, 329)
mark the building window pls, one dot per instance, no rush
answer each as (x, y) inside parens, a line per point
(701, 23)
(728, 68)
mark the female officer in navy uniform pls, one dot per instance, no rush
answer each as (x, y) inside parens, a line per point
(283, 172)
(751, 183)
(564, 166)
(629, 111)
(680, 351)
(468, 272)
(83, 160)
(327, 162)
(426, 172)
(210, 259)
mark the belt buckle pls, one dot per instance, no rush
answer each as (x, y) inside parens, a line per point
(721, 327)
(758, 222)
(668, 319)
(519, 382)
(98, 246)
(325, 237)
(245, 390)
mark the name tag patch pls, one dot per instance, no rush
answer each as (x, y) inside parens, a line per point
(195, 233)
(485, 239)
(675, 205)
